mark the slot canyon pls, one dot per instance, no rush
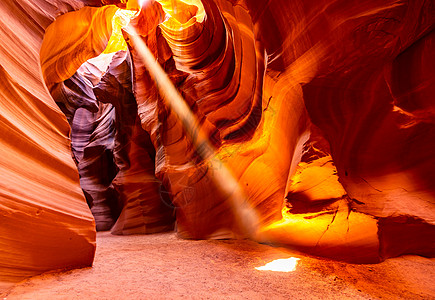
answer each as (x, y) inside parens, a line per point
(218, 130)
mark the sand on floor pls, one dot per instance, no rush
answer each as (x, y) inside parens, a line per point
(162, 266)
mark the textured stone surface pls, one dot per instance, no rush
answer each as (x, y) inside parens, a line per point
(322, 111)
(326, 63)
(45, 223)
(114, 155)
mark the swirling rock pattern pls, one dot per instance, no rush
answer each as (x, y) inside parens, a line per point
(45, 223)
(250, 135)
(114, 155)
(326, 105)
(145, 208)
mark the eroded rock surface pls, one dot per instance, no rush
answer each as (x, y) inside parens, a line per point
(45, 223)
(323, 112)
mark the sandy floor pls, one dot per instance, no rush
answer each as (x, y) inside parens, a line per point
(163, 266)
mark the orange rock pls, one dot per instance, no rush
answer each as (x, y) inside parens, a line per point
(45, 222)
(257, 75)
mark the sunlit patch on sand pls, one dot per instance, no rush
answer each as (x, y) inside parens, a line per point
(280, 265)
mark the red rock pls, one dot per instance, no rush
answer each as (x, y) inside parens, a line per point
(324, 110)
(45, 222)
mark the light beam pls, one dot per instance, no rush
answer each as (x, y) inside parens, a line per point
(246, 216)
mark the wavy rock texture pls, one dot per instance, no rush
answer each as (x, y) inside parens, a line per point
(145, 208)
(339, 61)
(45, 223)
(114, 155)
(379, 144)
(327, 105)
(215, 54)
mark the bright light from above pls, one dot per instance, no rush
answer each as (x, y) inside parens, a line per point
(280, 265)
(142, 3)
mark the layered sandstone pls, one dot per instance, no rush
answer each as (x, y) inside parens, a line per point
(45, 223)
(321, 111)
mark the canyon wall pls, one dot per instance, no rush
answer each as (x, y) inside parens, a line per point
(322, 111)
(45, 223)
